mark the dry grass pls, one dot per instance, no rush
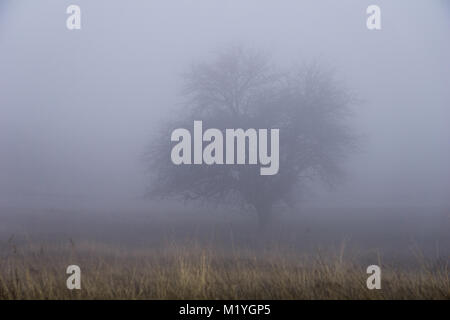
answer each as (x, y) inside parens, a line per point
(193, 271)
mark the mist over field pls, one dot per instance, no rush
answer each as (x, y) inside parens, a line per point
(79, 110)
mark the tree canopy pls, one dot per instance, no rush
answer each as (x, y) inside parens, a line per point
(243, 89)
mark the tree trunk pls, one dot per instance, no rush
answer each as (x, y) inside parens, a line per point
(264, 212)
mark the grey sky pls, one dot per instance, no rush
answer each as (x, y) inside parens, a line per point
(78, 107)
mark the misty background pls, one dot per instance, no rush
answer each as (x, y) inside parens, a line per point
(78, 108)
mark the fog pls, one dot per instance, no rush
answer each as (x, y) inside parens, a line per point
(78, 108)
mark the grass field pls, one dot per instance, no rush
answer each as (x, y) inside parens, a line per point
(155, 260)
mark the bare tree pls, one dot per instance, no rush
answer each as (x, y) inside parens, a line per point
(240, 89)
